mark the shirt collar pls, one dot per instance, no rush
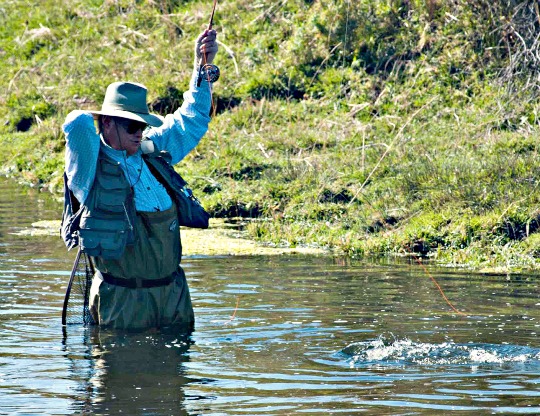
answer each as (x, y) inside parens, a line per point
(118, 155)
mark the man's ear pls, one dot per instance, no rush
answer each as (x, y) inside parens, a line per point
(106, 120)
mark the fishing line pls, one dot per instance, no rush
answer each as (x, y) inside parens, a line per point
(419, 261)
(234, 312)
(358, 193)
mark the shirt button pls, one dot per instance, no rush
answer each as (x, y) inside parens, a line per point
(148, 188)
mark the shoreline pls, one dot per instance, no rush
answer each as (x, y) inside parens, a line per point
(218, 240)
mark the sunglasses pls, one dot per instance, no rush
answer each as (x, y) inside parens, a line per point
(130, 126)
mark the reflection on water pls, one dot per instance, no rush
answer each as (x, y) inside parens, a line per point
(274, 335)
(119, 372)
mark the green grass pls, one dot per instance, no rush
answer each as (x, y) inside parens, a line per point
(369, 128)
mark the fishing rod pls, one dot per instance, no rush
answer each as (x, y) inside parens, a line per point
(210, 72)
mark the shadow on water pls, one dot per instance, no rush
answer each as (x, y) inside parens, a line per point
(274, 335)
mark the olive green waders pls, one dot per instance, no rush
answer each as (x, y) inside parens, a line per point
(153, 259)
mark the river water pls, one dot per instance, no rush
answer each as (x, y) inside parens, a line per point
(275, 335)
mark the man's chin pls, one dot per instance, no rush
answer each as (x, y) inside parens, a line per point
(133, 148)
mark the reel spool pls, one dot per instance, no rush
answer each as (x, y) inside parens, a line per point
(208, 72)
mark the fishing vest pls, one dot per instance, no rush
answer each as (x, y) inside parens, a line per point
(104, 225)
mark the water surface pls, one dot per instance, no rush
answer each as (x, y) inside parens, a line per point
(275, 335)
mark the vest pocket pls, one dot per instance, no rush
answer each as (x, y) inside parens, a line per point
(103, 238)
(111, 201)
(111, 194)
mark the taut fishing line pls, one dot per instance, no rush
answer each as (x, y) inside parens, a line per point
(417, 259)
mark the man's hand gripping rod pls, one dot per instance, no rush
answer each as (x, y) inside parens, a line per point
(209, 71)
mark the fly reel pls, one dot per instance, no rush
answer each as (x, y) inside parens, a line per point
(208, 72)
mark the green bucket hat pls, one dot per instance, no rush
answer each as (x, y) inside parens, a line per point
(128, 100)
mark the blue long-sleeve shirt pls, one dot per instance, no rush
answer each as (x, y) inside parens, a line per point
(179, 134)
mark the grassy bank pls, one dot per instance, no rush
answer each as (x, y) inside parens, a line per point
(370, 128)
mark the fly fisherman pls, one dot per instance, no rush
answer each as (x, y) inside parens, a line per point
(128, 220)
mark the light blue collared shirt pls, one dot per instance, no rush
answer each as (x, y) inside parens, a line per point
(179, 134)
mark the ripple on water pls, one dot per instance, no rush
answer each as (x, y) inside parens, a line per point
(277, 356)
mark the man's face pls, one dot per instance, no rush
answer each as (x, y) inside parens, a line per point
(123, 133)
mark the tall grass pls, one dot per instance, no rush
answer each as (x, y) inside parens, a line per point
(366, 127)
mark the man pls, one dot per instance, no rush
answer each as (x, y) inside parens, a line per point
(128, 220)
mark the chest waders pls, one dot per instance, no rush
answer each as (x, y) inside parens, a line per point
(145, 287)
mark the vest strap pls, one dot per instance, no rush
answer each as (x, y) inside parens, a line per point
(136, 283)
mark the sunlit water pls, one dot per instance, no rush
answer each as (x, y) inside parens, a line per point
(274, 336)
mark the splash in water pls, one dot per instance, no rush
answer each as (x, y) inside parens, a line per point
(390, 350)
